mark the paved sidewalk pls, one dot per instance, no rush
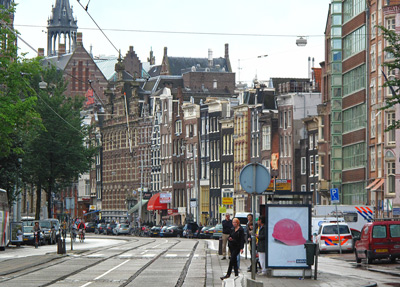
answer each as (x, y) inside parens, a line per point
(219, 268)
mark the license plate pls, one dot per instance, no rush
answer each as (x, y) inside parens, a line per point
(381, 250)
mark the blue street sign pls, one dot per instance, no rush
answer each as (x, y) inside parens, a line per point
(335, 195)
(254, 178)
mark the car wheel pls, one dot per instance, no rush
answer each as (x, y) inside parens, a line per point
(358, 260)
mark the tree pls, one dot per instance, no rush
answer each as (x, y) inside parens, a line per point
(17, 104)
(57, 154)
(393, 49)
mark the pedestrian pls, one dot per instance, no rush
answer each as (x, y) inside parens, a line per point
(226, 230)
(261, 244)
(236, 245)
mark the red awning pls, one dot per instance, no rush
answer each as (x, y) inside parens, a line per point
(373, 183)
(378, 185)
(154, 203)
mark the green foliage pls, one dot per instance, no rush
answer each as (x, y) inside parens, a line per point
(56, 154)
(393, 47)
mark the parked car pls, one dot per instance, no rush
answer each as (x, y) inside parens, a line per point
(378, 240)
(207, 232)
(90, 227)
(48, 227)
(163, 230)
(190, 229)
(155, 231)
(217, 232)
(172, 231)
(110, 227)
(121, 228)
(101, 228)
(29, 237)
(328, 237)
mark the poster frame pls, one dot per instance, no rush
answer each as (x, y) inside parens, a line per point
(307, 221)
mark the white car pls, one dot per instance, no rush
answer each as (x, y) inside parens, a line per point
(328, 237)
(122, 228)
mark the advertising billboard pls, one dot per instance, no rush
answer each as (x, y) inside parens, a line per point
(288, 228)
(166, 197)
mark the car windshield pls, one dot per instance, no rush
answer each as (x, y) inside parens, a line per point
(379, 231)
(28, 229)
(124, 225)
(218, 226)
(45, 224)
(332, 229)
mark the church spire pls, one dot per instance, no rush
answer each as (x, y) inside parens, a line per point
(62, 28)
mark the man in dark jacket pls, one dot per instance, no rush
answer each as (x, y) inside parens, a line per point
(236, 245)
(226, 230)
(261, 244)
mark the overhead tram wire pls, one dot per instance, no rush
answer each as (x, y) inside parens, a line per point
(182, 32)
(86, 9)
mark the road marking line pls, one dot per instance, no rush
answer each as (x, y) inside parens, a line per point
(96, 255)
(87, 284)
(148, 255)
(112, 269)
(144, 252)
(171, 255)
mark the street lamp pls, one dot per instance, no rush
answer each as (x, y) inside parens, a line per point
(239, 68)
(301, 42)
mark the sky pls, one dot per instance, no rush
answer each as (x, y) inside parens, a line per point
(189, 28)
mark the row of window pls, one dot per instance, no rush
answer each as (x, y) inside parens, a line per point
(313, 165)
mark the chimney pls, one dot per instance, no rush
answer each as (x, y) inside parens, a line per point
(309, 68)
(210, 58)
(61, 49)
(79, 39)
(226, 51)
(41, 52)
(165, 51)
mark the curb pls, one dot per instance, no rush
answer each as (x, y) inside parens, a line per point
(371, 285)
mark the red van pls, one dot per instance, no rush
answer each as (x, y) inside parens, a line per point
(379, 240)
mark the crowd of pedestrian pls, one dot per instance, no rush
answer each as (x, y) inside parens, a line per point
(234, 236)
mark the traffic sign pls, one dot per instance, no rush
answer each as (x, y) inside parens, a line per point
(254, 178)
(227, 200)
(335, 195)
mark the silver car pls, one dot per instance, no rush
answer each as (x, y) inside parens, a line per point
(121, 228)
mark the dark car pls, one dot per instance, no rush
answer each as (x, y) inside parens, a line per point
(110, 228)
(217, 231)
(190, 229)
(207, 232)
(29, 237)
(90, 227)
(172, 231)
(155, 231)
(101, 228)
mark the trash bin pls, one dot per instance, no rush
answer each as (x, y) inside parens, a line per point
(310, 252)
(220, 246)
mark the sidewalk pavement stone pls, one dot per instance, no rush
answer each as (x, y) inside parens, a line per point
(219, 268)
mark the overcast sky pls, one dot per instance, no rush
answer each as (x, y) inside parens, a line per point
(276, 24)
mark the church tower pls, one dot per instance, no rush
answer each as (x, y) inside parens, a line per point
(62, 28)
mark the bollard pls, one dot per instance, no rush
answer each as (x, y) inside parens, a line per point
(59, 246)
(220, 246)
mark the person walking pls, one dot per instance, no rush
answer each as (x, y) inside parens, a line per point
(236, 245)
(226, 230)
(261, 244)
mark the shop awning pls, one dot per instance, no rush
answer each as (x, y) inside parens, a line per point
(373, 183)
(136, 206)
(94, 211)
(154, 203)
(378, 185)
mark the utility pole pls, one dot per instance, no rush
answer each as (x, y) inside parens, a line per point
(196, 189)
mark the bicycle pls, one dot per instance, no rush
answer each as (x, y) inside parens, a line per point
(81, 235)
(73, 234)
